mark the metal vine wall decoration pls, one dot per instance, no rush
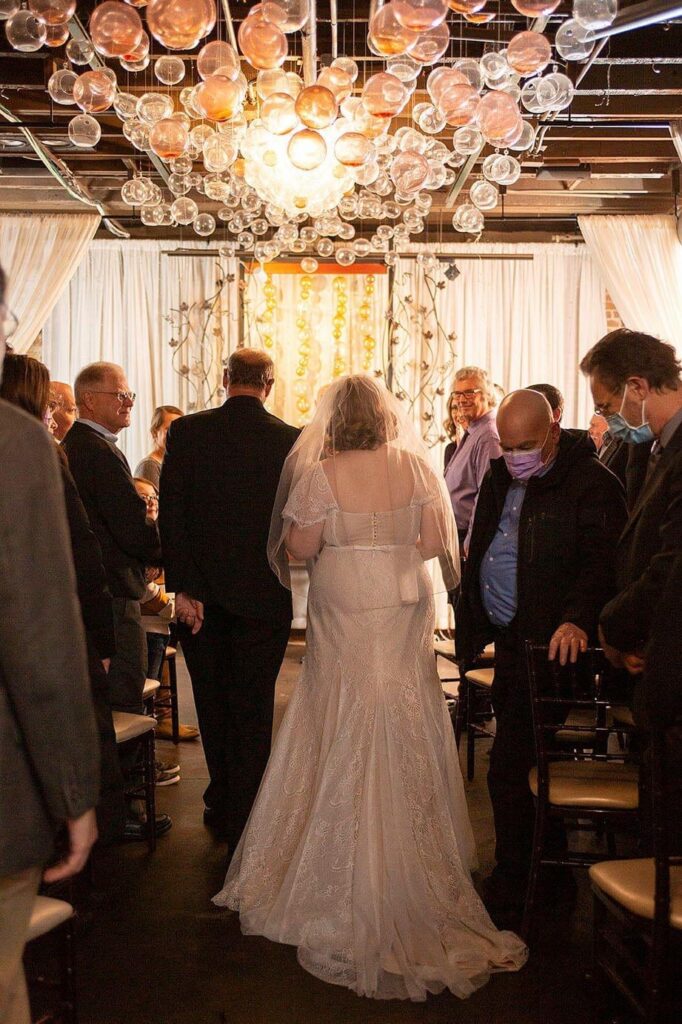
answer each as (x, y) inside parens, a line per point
(419, 353)
(199, 345)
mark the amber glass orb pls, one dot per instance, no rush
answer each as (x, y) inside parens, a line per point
(316, 107)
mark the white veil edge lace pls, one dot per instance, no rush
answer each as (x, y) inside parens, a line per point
(351, 413)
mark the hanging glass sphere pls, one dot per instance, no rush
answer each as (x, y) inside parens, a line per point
(80, 51)
(535, 8)
(262, 42)
(307, 149)
(409, 171)
(60, 87)
(278, 113)
(53, 12)
(217, 98)
(168, 138)
(431, 45)
(556, 91)
(348, 65)
(484, 195)
(316, 107)
(218, 58)
(573, 41)
(309, 264)
(184, 210)
(180, 24)
(115, 28)
(595, 14)
(84, 132)
(94, 92)
(125, 105)
(468, 219)
(345, 257)
(204, 224)
(467, 140)
(353, 150)
(387, 36)
(529, 53)
(25, 32)
(56, 35)
(526, 140)
(420, 15)
(153, 106)
(8, 8)
(169, 70)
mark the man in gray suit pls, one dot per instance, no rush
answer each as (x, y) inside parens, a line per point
(49, 756)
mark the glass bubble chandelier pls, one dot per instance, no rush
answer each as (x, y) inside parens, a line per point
(294, 163)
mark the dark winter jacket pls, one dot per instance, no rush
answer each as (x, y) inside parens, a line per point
(570, 523)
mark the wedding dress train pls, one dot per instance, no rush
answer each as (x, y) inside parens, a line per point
(359, 847)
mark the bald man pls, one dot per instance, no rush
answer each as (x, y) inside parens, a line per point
(66, 412)
(218, 485)
(541, 568)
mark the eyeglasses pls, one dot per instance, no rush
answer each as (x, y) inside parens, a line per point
(8, 323)
(123, 396)
(150, 499)
(469, 393)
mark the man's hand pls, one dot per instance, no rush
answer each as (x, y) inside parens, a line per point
(568, 640)
(106, 664)
(82, 835)
(613, 656)
(189, 611)
(634, 663)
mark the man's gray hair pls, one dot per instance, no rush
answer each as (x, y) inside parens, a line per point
(482, 378)
(250, 368)
(91, 376)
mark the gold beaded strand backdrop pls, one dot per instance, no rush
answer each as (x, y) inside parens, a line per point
(317, 327)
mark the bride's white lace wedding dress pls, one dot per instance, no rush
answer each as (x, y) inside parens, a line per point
(359, 847)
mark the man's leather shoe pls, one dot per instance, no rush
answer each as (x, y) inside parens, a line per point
(136, 828)
(164, 731)
(217, 822)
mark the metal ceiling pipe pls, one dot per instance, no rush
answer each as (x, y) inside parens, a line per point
(651, 12)
(61, 173)
(309, 44)
(334, 20)
(229, 24)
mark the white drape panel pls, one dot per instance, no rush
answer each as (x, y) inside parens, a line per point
(114, 310)
(525, 321)
(40, 253)
(640, 260)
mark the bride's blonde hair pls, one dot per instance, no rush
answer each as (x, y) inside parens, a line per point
(359, 418)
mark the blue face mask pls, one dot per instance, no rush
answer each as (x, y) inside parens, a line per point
(624, 431)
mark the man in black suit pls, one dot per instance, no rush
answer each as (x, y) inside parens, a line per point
(218, 486)
(636, 385)
(118, 518)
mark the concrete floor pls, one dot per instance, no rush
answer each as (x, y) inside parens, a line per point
(157, 952)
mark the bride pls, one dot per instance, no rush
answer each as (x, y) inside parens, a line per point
(359, 848)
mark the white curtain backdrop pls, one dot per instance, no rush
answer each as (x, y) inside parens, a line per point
(40, 254)
(525, 321)
(114, 310)
(640, 260)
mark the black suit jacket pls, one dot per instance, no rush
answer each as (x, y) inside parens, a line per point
(93, 593)
(118, 516)
(570, 522)
(218, 485)
(646, 550)
(614, 455)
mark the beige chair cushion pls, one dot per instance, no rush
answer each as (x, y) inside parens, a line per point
(632, 884)
(598, 784)
(445, 648)
(622, 715)
(488, 653)
(481, 676)
(150, 687)
(47, 914)
(578, 717)
(129, 727)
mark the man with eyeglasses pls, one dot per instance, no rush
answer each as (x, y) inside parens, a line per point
(128, 538)
(636, 383)
(65, 411)
(474, 399)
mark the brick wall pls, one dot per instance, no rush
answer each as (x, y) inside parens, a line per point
(613, 320)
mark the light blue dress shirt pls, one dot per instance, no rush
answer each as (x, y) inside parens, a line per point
(106, 434)
(469, 464)
(499, 566)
